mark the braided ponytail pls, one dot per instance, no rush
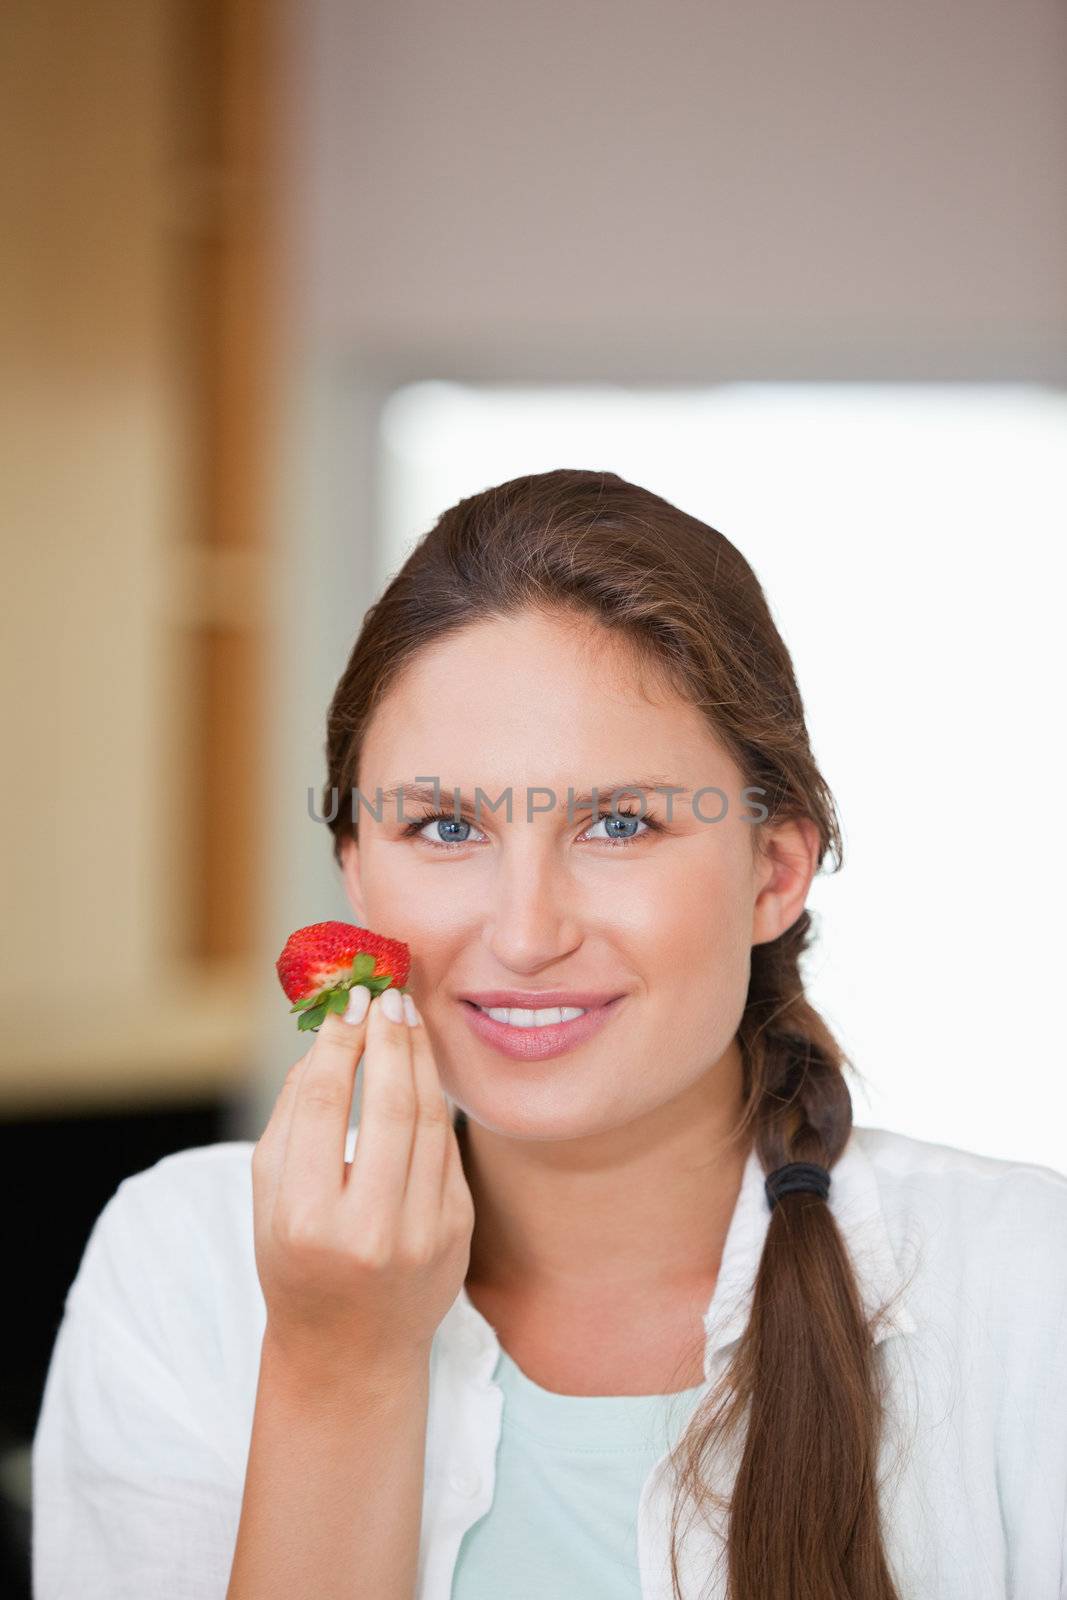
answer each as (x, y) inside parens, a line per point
(800, 1406)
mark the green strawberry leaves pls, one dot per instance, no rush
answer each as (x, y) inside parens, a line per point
(376, 985)
(314, 1008)
(313, 1018)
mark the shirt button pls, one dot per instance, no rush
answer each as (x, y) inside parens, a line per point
(465, 1480)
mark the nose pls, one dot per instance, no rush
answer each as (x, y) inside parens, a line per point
(533, 917)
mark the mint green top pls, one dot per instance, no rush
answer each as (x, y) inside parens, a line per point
(569, 1474)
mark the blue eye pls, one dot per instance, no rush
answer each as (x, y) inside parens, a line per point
(452, 830)
(622, 826)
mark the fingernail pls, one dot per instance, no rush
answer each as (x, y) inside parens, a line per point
(358, 1001)
(392, 1005)
(409, 1011)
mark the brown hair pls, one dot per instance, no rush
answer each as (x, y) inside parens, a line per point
(804, 1512)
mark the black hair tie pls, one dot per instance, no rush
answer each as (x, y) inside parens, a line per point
(797, 1175)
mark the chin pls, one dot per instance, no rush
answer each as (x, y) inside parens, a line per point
(519, 1114)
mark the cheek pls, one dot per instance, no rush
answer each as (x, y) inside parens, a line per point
(697, 916)
(411, 904)
(692, 946)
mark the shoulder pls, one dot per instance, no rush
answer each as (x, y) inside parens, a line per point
(199, 1189)
(988, 1229)
(154, 1368)
(176, 1242)
(207, 1169)
(903, 1163)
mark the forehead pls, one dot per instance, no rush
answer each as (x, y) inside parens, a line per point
(533, 698)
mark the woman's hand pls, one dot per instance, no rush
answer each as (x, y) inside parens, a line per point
(360, 1261)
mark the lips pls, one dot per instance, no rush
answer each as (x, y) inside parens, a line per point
(539, 1043)
(538, 999)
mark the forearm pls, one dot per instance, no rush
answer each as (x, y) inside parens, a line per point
(333, 1487)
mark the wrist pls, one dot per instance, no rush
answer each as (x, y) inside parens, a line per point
(306, 1372)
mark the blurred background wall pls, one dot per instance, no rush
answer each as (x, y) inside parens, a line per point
(138, 327)
(136, 544)
(231, 231)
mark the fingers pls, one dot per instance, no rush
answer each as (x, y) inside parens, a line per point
(455, 1189)
(314, 1154)
(453, 1158)
(269, 1152)
(422, 1195)
(377, 1176)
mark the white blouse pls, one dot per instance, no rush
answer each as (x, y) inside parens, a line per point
(142, 1439)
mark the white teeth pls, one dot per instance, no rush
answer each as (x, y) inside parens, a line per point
(517, 1018)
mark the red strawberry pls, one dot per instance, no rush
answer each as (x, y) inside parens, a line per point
(320, 964)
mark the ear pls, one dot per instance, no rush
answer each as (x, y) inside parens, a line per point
(787, 863)
(350, 875)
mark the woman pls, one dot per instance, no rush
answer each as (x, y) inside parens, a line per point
(653, 1319)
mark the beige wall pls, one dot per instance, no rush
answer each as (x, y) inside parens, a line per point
(103, 998)
(85, 406)
(836, 187)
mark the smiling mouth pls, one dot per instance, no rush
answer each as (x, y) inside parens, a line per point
(520, 1017)
(539, 1034)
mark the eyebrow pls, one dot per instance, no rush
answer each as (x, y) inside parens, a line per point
(425, 793)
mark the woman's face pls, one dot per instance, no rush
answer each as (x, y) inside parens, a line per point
(545, 901)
